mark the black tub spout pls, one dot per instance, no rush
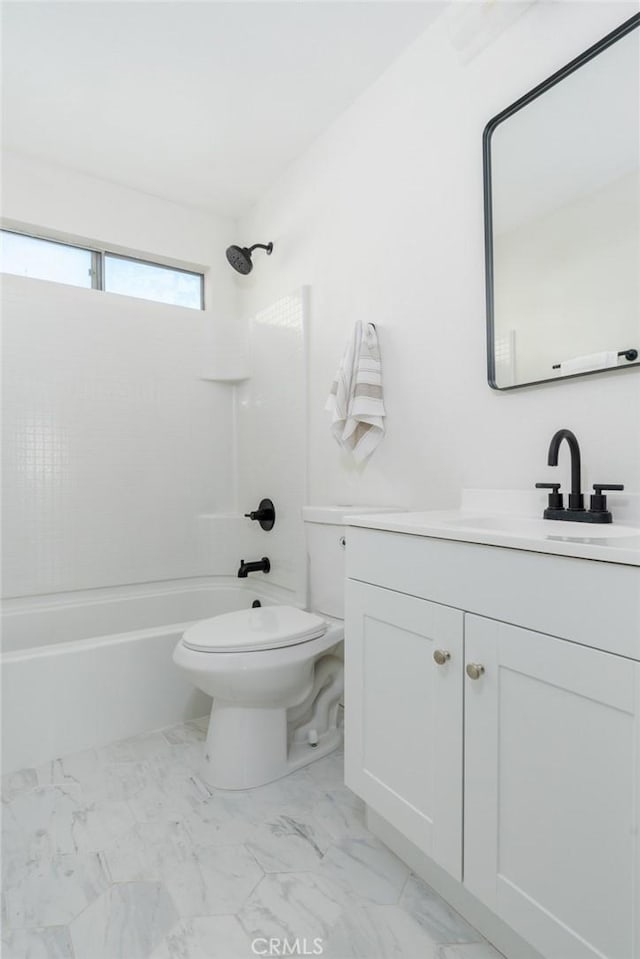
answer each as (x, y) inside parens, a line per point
(260, 566)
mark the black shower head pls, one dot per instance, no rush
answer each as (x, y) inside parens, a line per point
(240, 256)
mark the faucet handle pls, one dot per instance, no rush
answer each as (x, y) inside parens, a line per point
(265, 514)
(555, 498)
(598, 502)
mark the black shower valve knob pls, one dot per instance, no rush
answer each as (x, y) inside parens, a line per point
(265, 514)
(258, 514)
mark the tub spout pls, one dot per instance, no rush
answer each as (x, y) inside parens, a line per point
(262, 565)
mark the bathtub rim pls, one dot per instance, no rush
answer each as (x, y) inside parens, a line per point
(16, 605)
(14, 608)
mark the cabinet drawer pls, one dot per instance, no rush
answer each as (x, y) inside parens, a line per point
(596, 604)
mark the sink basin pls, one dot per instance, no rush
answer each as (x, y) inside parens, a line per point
(555, 529)
(477, 522)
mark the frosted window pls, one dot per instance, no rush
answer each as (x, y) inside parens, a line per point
(151, 282)
(44, 259)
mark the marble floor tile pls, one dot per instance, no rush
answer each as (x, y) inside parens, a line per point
(187, 756)
(296, 789)
(96, 824)
(378, 932)
(138, 748)
(78, 769)
(121, 781)
(56, 820)
(435, 915)
(473, 950)
(147, 851)
(169, 791)
(341, 814)
(94, 775)
(52, 892)
(51, 943)
(188, 733)
(226, 818)
(39, 823)
(129, 920)
(292, 905)
(288, 841)
(126, 852)
(206, 937)
(18, 783)
(328, 771)
(212, 880)
(365, 868)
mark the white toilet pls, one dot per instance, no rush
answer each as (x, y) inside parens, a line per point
(273, 672)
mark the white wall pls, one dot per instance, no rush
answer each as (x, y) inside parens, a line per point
(80, 207)
(383, 217)
(112, 443)
(271, 424)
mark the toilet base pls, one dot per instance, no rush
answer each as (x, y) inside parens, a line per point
(248, 747)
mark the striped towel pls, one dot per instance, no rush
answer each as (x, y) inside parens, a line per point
(355, 400)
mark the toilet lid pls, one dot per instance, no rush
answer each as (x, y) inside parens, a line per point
(246, 630)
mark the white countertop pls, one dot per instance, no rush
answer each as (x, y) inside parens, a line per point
(480, 520)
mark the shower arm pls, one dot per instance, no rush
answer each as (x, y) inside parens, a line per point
(262, 246)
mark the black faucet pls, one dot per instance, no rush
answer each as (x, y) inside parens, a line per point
(575, 512)
(576, 499)
(261, 566)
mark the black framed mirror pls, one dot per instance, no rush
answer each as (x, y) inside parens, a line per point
(562, 221)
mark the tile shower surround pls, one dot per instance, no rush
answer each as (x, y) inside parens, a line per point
(103, 427)
(125, 853)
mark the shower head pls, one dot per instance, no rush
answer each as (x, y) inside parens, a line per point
(240, 256)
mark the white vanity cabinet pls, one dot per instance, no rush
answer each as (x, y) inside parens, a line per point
(515, 764)
(552, 759)
(397, 691)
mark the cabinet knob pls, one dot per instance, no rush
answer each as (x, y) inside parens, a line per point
(441, 656)
(474, 670)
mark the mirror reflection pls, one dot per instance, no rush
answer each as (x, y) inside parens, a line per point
(562, 191)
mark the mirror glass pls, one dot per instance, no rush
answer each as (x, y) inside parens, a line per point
(562, 220)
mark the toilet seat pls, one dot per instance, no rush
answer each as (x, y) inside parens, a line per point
(250, 630)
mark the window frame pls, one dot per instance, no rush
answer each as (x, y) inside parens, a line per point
(97, 269)
(102, 254)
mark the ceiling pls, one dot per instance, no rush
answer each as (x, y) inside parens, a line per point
(204, 103)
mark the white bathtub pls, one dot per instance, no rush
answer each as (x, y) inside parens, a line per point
(81, 670)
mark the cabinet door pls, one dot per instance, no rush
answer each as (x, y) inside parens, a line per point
(552, 763)
(403, 716)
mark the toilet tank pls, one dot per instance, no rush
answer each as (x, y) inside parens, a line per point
(325, 538)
